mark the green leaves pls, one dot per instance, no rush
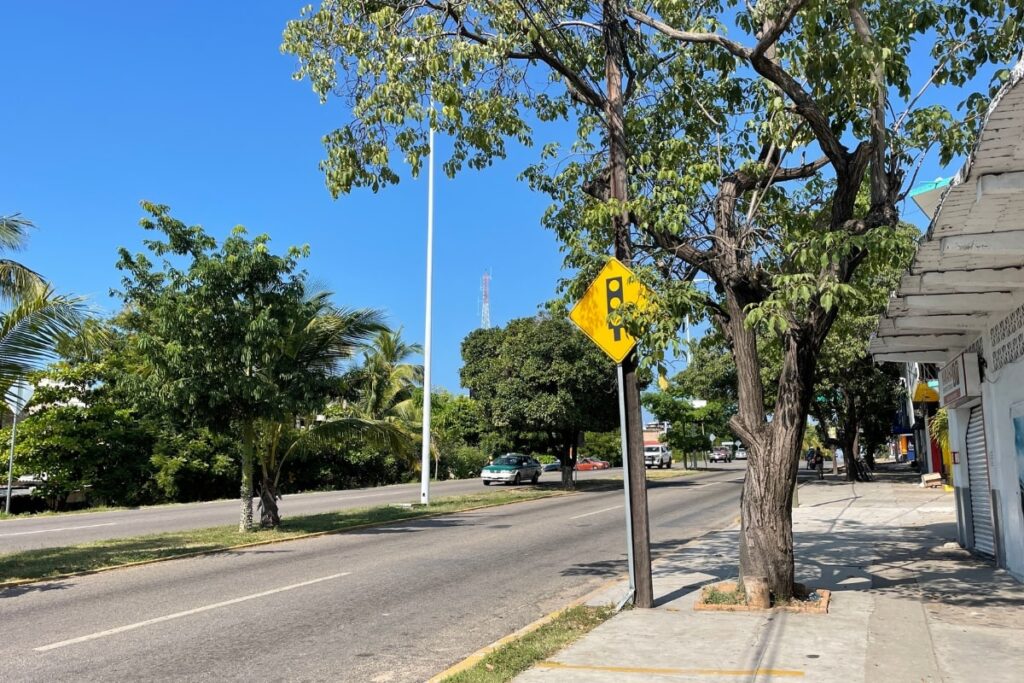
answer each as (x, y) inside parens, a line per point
(541, 375)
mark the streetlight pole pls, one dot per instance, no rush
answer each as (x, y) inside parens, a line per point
(425, 457)
(10, 465)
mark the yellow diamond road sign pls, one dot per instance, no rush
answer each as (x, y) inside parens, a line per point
(596, 314)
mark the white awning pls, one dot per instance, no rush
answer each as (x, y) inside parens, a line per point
(968, 271)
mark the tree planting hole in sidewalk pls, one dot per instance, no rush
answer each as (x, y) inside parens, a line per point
(728, 596)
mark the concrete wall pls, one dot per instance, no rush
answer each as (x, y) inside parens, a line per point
(1001, 390)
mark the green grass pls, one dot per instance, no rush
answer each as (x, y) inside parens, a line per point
(53, 562)
(713, 596)
(513, 658)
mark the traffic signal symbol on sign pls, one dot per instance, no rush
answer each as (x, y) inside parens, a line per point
(596, 315)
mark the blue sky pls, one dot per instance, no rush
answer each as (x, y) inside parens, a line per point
(190, 104)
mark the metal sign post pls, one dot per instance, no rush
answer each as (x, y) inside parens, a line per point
(597, 314)
(625, 479)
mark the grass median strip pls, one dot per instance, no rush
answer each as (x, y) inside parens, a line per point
(515, 657)
(48, 563)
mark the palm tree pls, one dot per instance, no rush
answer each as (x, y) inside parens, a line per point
(16, 280)
(33, 318)
(317, 344)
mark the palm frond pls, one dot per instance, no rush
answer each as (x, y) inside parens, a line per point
(14, 231)
(17, 281)
(32, 329)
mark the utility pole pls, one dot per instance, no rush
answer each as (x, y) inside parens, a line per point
(425, 453)
(614, 42)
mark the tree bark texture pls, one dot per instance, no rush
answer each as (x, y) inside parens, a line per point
(766, 536)
(270, 516)
(614, 41)
(248, 448)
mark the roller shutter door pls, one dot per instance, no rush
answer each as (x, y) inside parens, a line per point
(981, 495)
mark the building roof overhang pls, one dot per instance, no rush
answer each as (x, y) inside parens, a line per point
(968, 271)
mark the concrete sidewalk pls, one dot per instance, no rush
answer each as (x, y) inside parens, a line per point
(908, 604)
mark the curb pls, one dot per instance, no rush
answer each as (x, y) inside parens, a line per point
(198, 553)
(472, 659)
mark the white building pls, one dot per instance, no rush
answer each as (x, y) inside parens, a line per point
(961, 306)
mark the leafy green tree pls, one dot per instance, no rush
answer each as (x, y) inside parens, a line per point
(214, 330)
(541, 374)
(80, 437)
(456, 424)
(691, 425)
(382, 392)
(766, 144)
(604, 446)
(194, 464)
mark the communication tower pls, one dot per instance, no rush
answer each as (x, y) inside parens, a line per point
(485, 301)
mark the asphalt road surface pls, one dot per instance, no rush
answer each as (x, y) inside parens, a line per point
(53, 531)
(390, 604)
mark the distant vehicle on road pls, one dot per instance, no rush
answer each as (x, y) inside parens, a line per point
(720, 455)
(657, 455)
(553, 466)
(511, 468)
(741, 453)
(592, 464)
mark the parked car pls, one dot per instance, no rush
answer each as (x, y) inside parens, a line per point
(592, 464)
(657, 456)
(553, 466)
(741, 453)
(720, 455)
(511, 468)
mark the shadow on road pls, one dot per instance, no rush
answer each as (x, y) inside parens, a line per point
(15, 591)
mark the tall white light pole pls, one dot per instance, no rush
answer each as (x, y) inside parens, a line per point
(425, 458)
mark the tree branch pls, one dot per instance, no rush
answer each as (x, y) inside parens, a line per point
(777, 28)
(688, 36)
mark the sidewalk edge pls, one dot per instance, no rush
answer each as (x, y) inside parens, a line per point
(529, 628)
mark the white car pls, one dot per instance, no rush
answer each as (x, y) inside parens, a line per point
(741, 453)
(657, 456)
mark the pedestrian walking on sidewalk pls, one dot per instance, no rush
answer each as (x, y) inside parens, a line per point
(819, 463)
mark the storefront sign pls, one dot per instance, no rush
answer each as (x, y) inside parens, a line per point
(959, 380)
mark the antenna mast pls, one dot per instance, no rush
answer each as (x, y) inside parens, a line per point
(485, 301)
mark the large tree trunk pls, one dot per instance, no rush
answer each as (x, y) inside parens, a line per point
(248, 455)
(766, 532)
(270, 516)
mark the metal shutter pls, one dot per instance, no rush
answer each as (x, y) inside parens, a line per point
(981, 495)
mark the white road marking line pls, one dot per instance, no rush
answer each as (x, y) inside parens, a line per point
(186, 613)
(595, 512)
(65, 528)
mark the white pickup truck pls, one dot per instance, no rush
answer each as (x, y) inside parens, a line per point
(657, 456)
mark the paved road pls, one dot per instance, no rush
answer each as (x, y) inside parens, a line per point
(392, 604)
(62, 530)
